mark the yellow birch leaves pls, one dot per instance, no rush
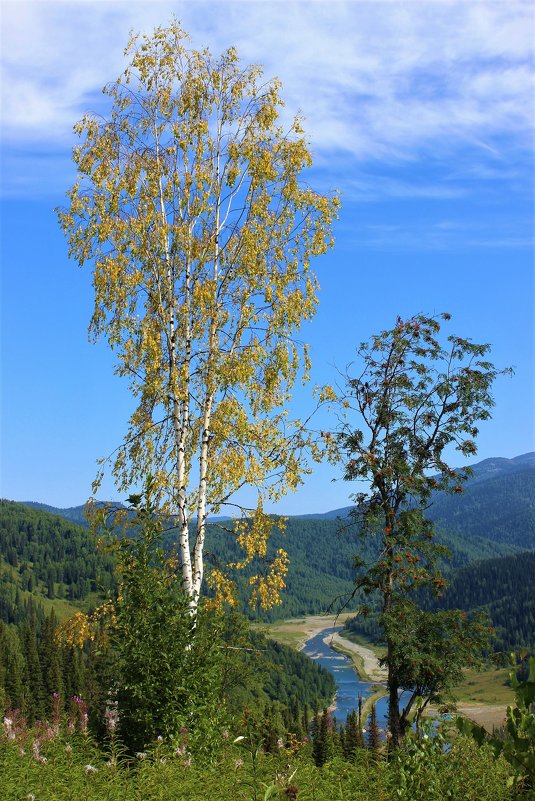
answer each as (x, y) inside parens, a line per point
(190, 210)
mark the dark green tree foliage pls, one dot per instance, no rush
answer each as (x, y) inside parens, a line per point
(50, 659)
(12, 669)
(503, 588)
(320, 551)
(322, 745)
(321, 561)
(35, 702)
(498, 505)
(353, 737)
(373, 733)
(168, 674)
(54, 557)
(429, 651)
(414, 396)
(292, 677)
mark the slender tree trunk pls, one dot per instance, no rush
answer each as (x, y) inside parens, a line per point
(198, 551)
(394, 721)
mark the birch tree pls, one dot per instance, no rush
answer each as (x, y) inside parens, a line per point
(190, 208)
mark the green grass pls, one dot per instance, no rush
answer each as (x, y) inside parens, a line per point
(70, 768)
(485, 687)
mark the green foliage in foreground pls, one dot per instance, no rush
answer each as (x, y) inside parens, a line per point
(52, 765)
(517, 742)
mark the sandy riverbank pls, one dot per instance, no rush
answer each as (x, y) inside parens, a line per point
(366, 663)
(297, 631)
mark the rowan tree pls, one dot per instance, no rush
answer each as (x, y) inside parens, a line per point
(418, 395)
(191, 209)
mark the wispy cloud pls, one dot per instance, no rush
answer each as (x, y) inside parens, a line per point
(417, 236)
(387, 82)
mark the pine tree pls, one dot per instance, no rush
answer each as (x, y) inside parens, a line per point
(51, 662)
(34, 706)
(322, 740)
(11, 668)
(374, 738)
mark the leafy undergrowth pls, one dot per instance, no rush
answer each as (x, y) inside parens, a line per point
(51, 764)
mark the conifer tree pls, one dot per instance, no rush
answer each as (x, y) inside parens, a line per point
(50, 660)
(322, 740)
(35, 704)
(374, 737)
(12, 667)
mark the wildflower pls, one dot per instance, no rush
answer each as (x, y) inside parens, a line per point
(187, 762)
(238, 763)
(83, 722)
(181, 750)
(30, 797)
(111, 718)
(141, 755)
(280, 743)
(90, 769)
(184, 730)
(225, 734)
(68, 749)
(10, 731)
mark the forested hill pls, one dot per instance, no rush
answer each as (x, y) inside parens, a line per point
(46, 557)
(321, 557)
(505, 589)
(54, 561)
(498, 503)
(500, 506)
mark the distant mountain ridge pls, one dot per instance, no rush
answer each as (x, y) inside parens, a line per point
(488, 468)
(493, 517)
(493, 467)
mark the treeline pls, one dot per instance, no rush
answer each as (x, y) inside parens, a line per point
(321, 556)
(499, 508)
(45, 554)
(40, 676)
(276, 687)
(503, 588)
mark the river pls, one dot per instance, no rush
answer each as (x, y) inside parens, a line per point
(349, 684)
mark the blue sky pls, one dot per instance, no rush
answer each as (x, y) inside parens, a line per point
(421, 113)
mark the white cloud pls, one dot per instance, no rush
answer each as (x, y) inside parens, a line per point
(440, 235)
(383, 81)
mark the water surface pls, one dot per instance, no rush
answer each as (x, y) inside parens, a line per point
(348, 683)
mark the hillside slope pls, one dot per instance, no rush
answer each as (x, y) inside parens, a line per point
(498, 503)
